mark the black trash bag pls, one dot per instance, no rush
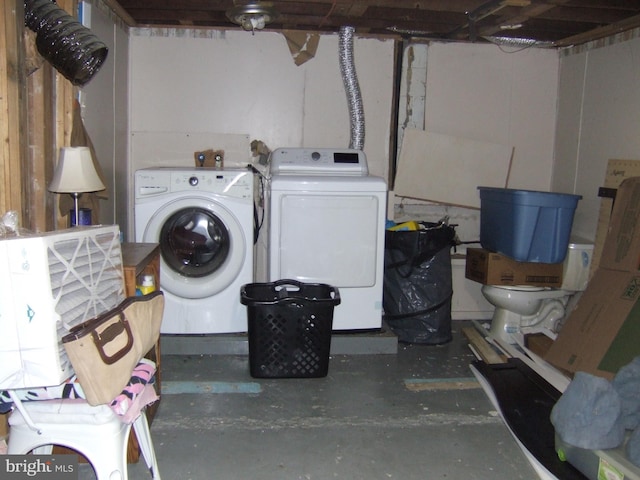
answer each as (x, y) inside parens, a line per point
(417, 287)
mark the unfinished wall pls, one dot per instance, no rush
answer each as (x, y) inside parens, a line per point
(598, 119)
(12, 106)
(485, 93)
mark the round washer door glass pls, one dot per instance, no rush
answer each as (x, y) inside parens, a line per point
(203, 246)
(194, 242)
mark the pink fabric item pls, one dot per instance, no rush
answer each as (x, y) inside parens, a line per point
(146, 397)
(129, 404)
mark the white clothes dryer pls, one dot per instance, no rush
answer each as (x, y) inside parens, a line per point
(204, 222)
(326, 225)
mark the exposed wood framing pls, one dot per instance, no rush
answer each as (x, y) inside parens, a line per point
(12, 111)
(602, 32)
(121, 12)
(36, 109)
(41, 148)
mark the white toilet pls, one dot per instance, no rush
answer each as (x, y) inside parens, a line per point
(527, 309)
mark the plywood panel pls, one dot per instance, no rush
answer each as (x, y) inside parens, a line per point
(448, 169)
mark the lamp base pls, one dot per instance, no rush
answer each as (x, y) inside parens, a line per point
(83, 218)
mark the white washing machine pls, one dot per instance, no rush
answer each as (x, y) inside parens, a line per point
(203, 220)
(326, 225)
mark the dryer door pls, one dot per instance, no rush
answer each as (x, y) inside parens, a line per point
(202, 246)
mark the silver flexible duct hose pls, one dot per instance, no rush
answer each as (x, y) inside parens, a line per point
(350, 79)
(64, 42)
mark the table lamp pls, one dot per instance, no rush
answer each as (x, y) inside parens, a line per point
(75, 175)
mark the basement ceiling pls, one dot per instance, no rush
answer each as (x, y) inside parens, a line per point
(554, 23)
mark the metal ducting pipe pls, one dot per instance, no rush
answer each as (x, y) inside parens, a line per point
(64, 42)
(350, 79)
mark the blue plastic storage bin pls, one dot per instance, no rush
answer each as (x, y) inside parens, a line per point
(526, 225)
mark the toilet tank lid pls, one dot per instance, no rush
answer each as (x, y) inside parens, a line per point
(581, 246)
(580, 242)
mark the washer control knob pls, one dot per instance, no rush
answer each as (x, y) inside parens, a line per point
(315, 156)
(193, 181)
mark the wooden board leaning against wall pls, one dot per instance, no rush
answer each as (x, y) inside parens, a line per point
(36, 108)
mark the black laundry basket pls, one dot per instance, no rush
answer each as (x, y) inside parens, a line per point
(289, 325)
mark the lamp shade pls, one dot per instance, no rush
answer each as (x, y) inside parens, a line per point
(75, 172)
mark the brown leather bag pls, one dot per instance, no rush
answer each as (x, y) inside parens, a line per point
(104, 350)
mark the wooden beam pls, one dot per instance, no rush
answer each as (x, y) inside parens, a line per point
(526, 13)
(39, 164)
(602, 32)
(120, 12)
(12, 111)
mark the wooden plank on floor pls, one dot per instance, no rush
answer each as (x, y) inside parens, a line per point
(434, 384)
(486, 351)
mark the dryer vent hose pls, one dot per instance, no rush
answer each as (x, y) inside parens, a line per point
(64, 42)
(350, 79)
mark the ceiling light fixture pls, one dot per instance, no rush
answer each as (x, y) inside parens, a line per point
(513, 26)
(253, 16)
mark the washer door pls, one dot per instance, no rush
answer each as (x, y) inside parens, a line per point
(202, 246)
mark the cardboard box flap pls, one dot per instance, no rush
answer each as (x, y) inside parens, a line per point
(601, 334)
(622, 246)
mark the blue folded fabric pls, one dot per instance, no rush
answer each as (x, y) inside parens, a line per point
(589, 414)
(627, 384)
(633, 447)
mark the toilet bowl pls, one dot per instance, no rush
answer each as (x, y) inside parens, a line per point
(524, 309)
(521, 308)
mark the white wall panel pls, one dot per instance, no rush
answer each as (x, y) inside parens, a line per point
(598, 120)
(486, 93)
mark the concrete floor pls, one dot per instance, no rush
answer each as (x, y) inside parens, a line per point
(415, 414)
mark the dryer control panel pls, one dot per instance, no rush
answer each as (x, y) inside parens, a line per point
(318, 161)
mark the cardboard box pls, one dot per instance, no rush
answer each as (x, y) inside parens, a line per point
(492, 268)
(601, 334)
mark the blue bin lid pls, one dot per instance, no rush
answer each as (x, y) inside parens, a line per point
(529, 197)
